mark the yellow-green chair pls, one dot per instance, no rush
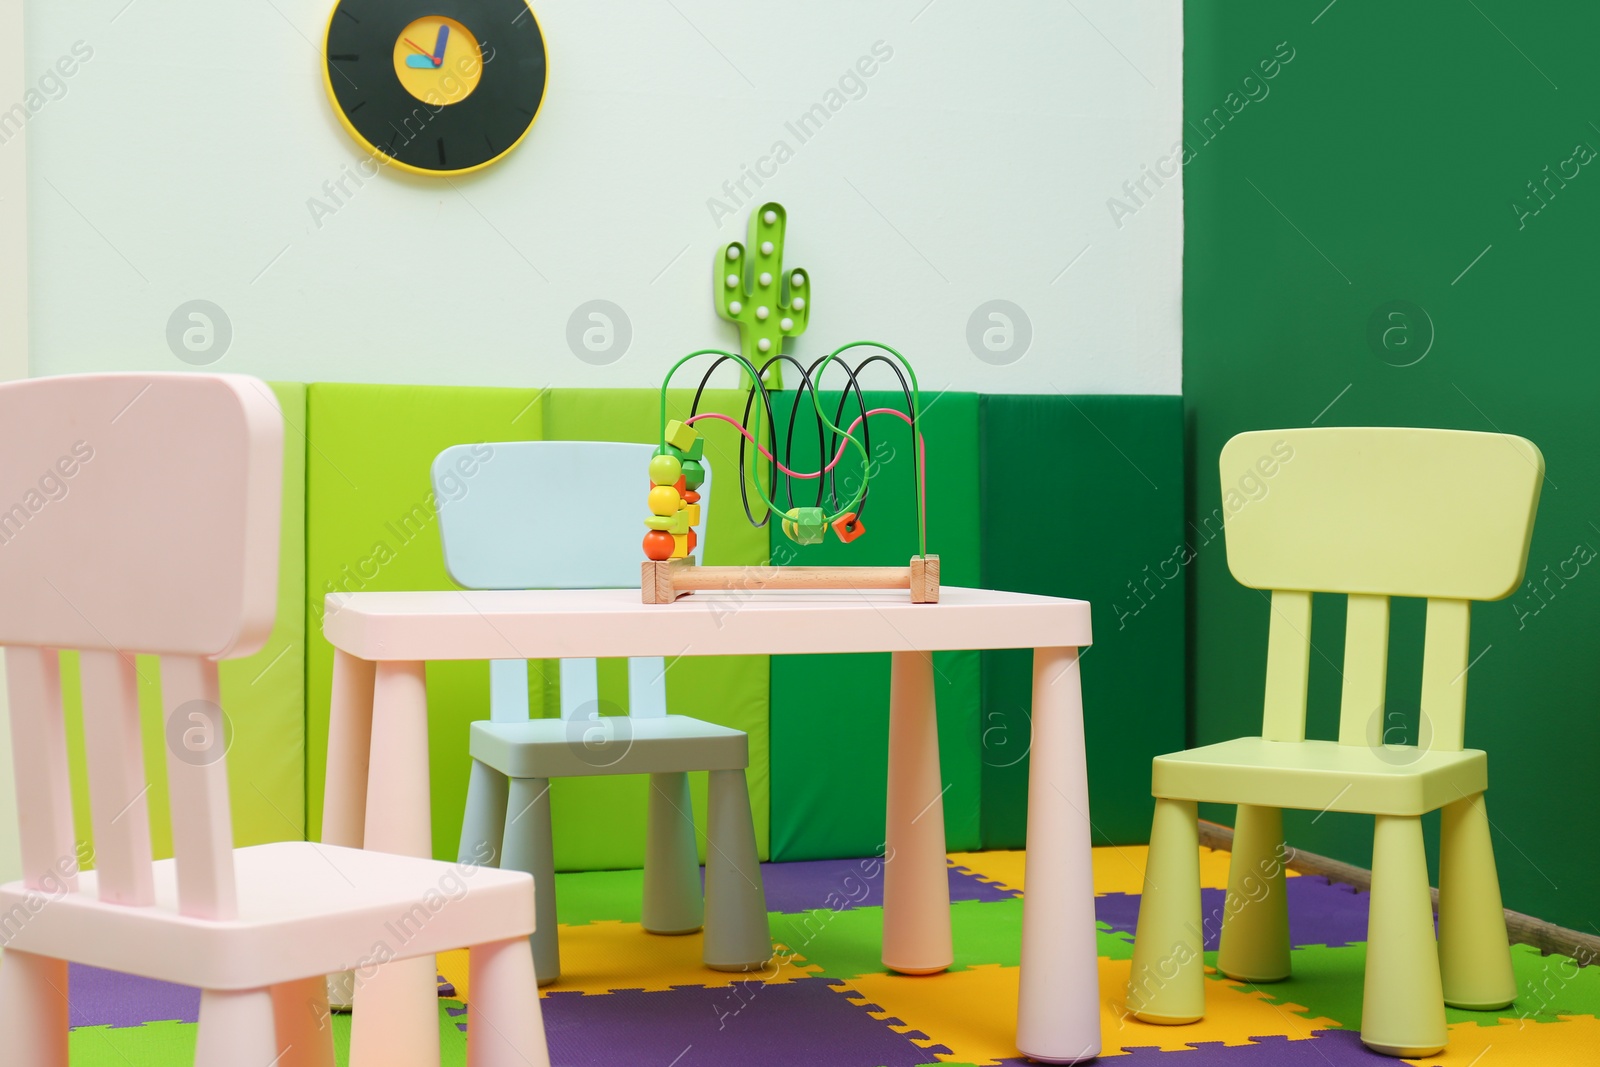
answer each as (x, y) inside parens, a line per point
(1371, 513)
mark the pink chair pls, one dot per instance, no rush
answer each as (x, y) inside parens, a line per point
(139, 513)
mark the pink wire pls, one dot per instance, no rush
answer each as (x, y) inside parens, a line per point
(922, 446)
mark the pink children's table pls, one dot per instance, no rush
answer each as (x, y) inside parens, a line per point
(378, 791)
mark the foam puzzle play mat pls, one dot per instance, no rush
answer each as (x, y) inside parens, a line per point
(628, 997)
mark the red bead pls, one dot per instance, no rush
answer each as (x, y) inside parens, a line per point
(848, 527)
(658, 544)
(693, 540)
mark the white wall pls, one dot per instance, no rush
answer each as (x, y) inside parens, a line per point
(181, 157)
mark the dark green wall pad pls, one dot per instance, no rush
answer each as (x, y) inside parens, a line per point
(372, 525)
(1288, 324)
(599, 821)
(263, 696)
(830, 734)
(1082, 496)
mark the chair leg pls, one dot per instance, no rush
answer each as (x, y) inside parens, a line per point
(1402, 1009)
(395, 1019)
(1255, 919)
(505, 1025)
(672, 900)
(483, 826)
(33, 1010)
(300, 1011)
(529, 846)
(236, 1028)
(1474, 952)
(1167, 981)
(737, 937)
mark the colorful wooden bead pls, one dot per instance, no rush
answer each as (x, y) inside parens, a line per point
(663, 500)
(680, 522)
(693, 540)
(693, 511)
(848, 527)
(659, 522)
(680, 545)
(694, 473)
(804, 526)
(658, 545)
(681, 435)
(694, 451)
(664, 470)
(681, 486)
(691, 497)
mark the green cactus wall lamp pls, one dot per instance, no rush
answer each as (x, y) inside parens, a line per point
(755, 293)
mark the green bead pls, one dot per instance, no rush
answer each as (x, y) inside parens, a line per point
(665, 470)
(694, 473)
(660, 522)
(805, 526)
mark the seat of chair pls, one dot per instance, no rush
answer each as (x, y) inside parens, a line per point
(304, 910)
(612, 744)
(1321, 776)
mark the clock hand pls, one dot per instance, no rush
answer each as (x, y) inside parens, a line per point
(438, 47)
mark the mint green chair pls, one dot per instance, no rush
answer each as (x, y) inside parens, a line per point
(1444, 515)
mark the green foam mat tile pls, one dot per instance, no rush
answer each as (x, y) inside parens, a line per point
(848, 944)
(1328, 982)
(584, 897)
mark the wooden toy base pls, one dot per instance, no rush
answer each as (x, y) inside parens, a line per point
(664, 582)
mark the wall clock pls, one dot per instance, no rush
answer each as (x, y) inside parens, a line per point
(439, 87)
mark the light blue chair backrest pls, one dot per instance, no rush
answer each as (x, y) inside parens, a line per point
(552, 515)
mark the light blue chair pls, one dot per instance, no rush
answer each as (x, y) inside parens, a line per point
(495, 508)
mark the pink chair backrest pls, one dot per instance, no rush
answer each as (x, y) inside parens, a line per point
(139, 513)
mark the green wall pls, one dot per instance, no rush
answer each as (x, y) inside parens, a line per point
(1083, 497)
(1389, 160)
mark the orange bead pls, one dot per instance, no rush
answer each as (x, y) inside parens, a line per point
(848, 527)
(693, 540)
(691, 497)
(658, 544)
(681, 485)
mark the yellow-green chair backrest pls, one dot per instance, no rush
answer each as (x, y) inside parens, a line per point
(1376, 512)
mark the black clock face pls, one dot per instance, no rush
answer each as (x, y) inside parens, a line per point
(437, 86)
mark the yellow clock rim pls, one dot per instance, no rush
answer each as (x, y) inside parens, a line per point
(391, 161)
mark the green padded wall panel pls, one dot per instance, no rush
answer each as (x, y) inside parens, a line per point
(830, 733)
(371, 525)
(1287, 323)
(263, 696)
(1083, 497)
(599, 822)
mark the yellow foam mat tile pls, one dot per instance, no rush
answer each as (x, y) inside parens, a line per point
(1573, 1039)
(603, 957)
(973, 1013)
(1117, 868)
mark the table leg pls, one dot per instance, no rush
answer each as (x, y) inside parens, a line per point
(396, 1020)
(344, 796)
(916, 882)
(1058, 1009)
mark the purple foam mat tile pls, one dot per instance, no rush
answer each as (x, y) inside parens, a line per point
(1320, 912)
(795, 1024)
(98, 997)
(1325, 1048)
(805, 885)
